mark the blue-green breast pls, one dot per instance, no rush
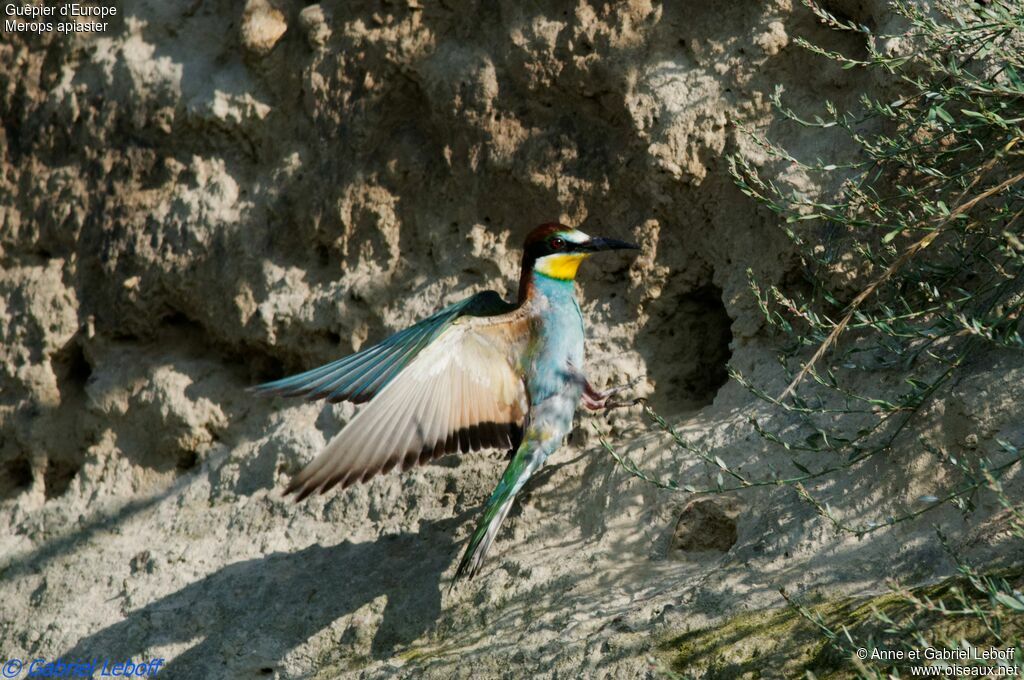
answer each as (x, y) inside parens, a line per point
(557, 342)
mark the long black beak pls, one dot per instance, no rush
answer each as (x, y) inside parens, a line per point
(596, 244)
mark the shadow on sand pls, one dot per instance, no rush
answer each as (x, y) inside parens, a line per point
(242, 620)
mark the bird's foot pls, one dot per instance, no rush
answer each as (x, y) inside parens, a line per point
(601, 400)
(611, 405)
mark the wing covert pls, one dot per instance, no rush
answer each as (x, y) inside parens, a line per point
(360, 376)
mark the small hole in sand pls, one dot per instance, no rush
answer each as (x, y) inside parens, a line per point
(687, 339)
(187, 460)
(58, 476)
(704, 526)
(16, 476)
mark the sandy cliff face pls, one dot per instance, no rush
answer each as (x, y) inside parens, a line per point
(209, 195)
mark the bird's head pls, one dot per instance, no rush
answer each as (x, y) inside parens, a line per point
(556, 251)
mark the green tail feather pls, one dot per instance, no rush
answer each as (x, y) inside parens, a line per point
(518, 471)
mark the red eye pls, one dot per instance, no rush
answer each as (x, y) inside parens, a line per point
(557, 243)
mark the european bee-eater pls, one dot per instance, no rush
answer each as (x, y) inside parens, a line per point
(482, 373)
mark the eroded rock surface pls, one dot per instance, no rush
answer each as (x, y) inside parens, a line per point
(215, 193)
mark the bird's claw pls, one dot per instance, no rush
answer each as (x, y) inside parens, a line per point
(624, 404)
(600, 400)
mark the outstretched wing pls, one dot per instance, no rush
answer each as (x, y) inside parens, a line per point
(462, 392)
(360, 376)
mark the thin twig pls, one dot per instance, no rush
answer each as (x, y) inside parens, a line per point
(892, 269)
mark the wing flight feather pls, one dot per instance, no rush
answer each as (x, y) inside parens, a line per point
(462, 391)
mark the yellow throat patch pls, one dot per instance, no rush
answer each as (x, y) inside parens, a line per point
(560, 266)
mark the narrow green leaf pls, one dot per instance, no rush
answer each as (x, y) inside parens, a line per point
(1010, 601)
